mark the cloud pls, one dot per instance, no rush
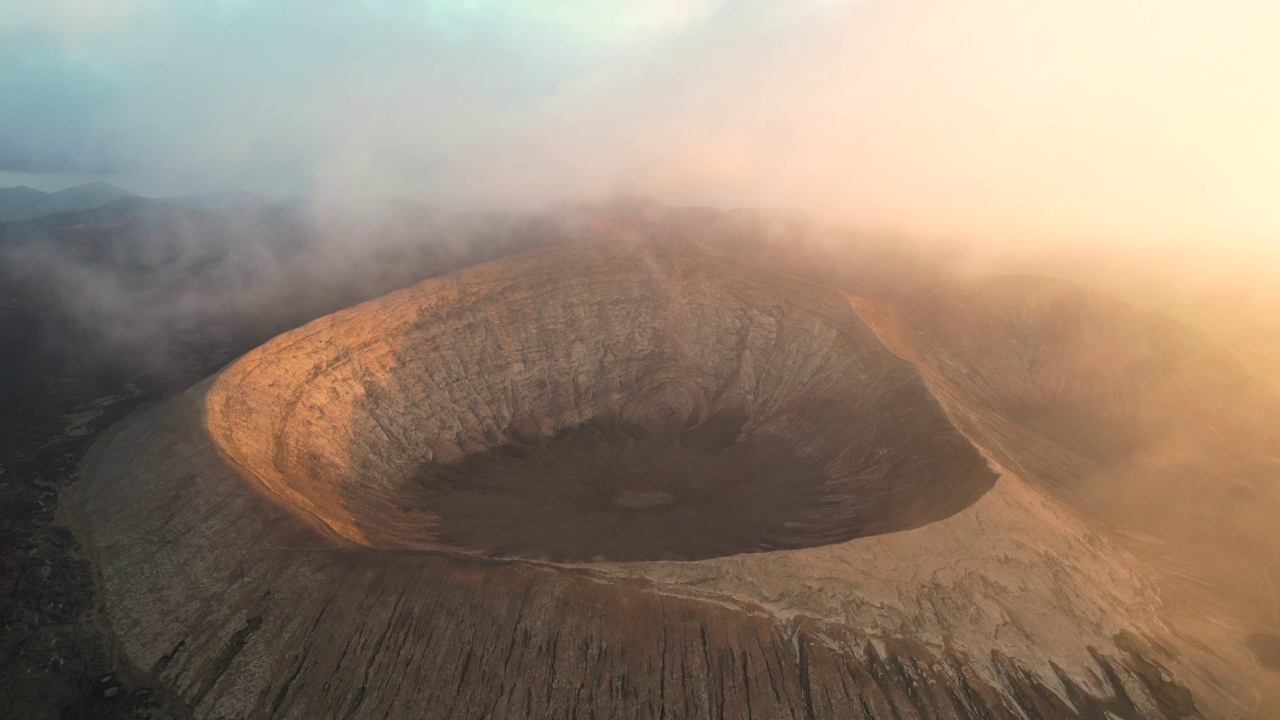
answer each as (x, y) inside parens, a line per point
(1143, 120)
(69, 19)
(51, 101)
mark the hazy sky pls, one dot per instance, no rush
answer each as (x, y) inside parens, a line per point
(1152, 120)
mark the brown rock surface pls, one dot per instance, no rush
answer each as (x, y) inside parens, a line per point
(348, 521)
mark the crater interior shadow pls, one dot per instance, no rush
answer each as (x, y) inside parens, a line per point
(610, 490)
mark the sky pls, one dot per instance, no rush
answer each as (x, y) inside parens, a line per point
(1137, 121)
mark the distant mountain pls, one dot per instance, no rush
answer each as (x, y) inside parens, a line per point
(26, 203)
(223, 200)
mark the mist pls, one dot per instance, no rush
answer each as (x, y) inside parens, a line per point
(1139, 122)
(934, 171)
(1126, 145)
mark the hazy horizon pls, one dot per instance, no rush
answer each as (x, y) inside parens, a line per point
(1141, 122)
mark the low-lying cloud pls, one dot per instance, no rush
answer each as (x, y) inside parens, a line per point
(1140, 121)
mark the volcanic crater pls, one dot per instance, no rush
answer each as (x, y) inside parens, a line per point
(678, 408)
(627, 480)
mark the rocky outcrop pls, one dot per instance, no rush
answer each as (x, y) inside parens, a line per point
(477, 497)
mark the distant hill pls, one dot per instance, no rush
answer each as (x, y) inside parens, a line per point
(223, 200)
(26, 203)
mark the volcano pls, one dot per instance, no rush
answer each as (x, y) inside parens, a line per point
(636, 480)
(578, 406)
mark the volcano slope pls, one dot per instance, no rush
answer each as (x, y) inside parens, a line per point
(611, 481)
(1142, 425)
(1137, 422)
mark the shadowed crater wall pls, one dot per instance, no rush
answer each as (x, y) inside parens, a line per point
(594, 403)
